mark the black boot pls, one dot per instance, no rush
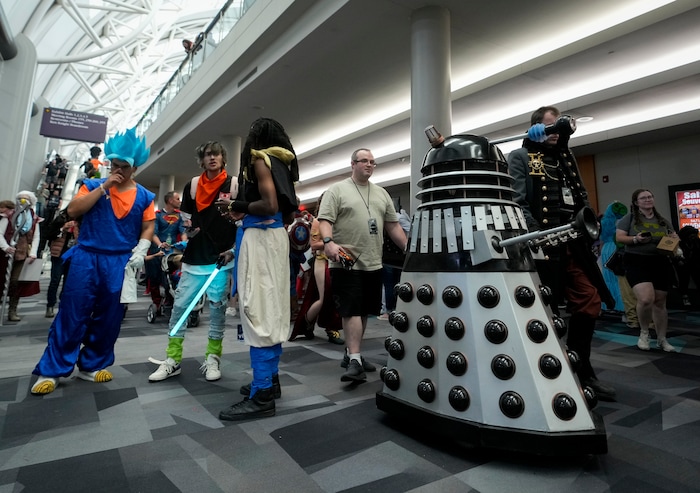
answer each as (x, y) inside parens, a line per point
(579, 339)
(262, 405)
(602, 391)
(276, 387)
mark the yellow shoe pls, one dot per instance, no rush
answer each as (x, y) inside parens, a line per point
(44, 385)
(334, 337)
(97, 376)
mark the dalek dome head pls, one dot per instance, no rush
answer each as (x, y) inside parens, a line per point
(464, 169)
(462, 147)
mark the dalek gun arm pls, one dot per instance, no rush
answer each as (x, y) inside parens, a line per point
(585, 225)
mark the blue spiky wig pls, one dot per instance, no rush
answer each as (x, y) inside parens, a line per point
(128, 147)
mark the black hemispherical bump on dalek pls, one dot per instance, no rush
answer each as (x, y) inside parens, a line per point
(454, 328)
(426, 357)
(391, 317)
(387, 341)
(511, 404)
(503, 366)
(546, 294)
(425, 326)
(559, 326)
(426, 390)
(456, 363)
(382, 372)
(401, 321)
(459, 398)
(488, 296)
(391, 379)
(425, 294)
(405, 292)
(396, 349)
(591, 397)
(496, 331)
(574, 359)
(564, 406)
(550, 366)
(525, 296)
(452, 296)
(537, 331)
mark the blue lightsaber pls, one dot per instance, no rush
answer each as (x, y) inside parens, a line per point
(200, 293)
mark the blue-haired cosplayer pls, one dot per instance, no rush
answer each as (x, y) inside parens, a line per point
(115, 233)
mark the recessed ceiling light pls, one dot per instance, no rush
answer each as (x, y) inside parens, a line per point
(584, 119)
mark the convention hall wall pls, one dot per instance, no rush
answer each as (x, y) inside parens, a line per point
(655, 166)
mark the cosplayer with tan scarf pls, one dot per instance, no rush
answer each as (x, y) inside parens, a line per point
(268, 171)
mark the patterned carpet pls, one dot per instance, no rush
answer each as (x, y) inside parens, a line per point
(131, 436)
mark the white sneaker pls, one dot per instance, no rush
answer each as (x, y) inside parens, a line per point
(643, 341)
(665, 345)
(210, 368)
(231, 311)
(168, 368)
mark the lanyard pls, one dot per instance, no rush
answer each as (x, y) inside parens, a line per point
(363, 199)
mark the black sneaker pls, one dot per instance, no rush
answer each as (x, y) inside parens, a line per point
(366, 365)
(262, 405)
(354, 373)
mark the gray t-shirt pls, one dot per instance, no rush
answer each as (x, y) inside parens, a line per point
(349, 207)
(652, 225)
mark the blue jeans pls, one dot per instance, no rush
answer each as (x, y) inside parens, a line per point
(390, 278)
(217, 293)
(59, 268)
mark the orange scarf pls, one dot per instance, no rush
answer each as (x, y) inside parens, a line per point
(207, 190)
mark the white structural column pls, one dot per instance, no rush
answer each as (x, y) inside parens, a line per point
(430, 83)
(167, 184)
(233, 145)
(17, 81)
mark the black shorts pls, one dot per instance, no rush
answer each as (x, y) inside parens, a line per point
(357, 292)
(656, 269)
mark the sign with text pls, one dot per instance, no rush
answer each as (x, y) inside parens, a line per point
(73, 125)
(685, 199)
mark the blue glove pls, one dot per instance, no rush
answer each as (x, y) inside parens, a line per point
(536, 133)
(180, 245)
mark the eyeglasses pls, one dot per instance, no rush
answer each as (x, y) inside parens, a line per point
(365, 161)
(211, 153)
(646, 197)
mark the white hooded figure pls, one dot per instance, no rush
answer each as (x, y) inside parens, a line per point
(19, 239)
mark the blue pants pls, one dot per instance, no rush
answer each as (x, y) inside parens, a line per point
(265, 363)
(89, 317)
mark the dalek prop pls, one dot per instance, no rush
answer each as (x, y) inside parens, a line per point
(476, 352)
